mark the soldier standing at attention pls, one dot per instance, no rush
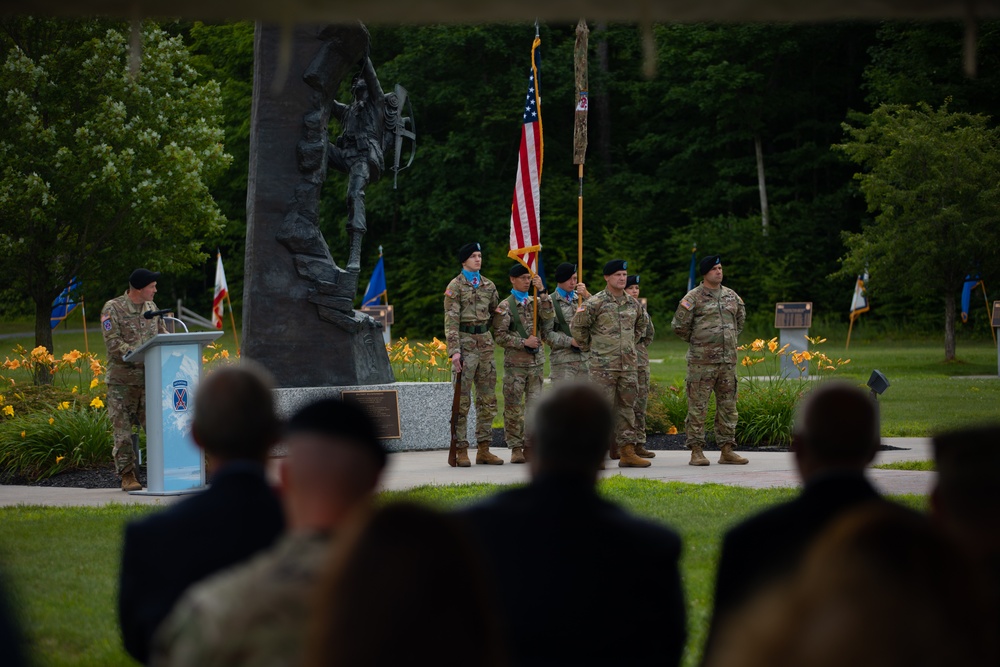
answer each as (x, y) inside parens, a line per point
(469, 303)
(710, 317)
(566, 361)
(124, 330)
(642, 352)
(523, 357)
(608, 325)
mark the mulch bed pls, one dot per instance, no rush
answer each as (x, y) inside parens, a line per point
(104, 477)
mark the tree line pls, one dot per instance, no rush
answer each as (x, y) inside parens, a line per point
(673, 161)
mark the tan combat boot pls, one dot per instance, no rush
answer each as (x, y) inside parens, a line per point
(462, 457)
(483, 455)
(613, 451)
(517, 455)
(129, 482)
(697, 457)
(729, 456)
(640, 450)
(628, 459)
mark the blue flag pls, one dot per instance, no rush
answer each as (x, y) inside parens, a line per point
(693, 273)
(376, 286)
(64, 304)
(971, 283)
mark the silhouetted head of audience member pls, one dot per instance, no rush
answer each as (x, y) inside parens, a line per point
(234, 416)
(569, 430)
(881, 587)
(835, 428)
(965, 500)
(404, 586)
(332, 467)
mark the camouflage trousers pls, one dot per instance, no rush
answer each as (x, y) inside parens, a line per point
(641, 401)
(521, 387)
(126, 408)
(702, 380)
(571, 370)
(479, 370)
(620, 387)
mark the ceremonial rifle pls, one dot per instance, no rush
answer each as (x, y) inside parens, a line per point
(455, 407)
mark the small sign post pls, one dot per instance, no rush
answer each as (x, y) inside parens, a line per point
(995, 323)
(793, 320)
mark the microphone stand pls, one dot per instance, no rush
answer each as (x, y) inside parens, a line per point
(174, 319)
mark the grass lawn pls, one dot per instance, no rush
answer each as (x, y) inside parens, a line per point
(62, 563)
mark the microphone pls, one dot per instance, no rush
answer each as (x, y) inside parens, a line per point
(150, 314)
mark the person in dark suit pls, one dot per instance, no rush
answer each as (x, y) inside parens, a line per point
(549, 543)
(235, 424)
(835, 436)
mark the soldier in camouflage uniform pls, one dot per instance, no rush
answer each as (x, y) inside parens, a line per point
(710, 317)
(124, 330)
(642, 352)
(566, 361)
(523, 356)
(469, 303)
(258, 613)
(608, 325)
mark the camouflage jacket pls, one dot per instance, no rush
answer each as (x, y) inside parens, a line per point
(711, 321)
(642, 345)
(561, 342)
(255, 614)
(608, 327)
(507, 336)
(124, 330)
(465, 305)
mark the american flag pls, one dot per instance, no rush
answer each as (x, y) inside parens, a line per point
(221, 292)
(524, 211)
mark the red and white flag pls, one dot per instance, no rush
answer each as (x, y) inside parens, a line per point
(221, 292)
(524, 212)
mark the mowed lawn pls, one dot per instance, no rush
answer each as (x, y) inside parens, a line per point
(62, 563)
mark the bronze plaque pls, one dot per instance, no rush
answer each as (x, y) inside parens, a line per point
(382, 406)
(793, 315)
(996, 313)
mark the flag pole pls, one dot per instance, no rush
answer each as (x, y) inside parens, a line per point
(986, 301)
(849, 329)
(580, 130)
(86, 343)
(232, 320)
(386, 293)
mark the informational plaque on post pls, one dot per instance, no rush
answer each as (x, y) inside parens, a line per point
(382, 405)
(793, 315)
(996, 314)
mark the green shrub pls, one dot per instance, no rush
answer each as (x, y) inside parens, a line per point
(666, 407)
(42, 443)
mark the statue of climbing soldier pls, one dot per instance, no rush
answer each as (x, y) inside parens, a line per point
(370, 125)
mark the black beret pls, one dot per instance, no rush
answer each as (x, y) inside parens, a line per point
(518, 270)
(614, 266)
(632, 280)
(465, 252)
(564, 272)
(708, 263)
(340, 421)
(141, 278)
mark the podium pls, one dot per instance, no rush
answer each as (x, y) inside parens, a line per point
(174, 464)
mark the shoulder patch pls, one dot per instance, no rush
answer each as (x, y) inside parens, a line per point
(581, 309)
(448, 292)
(687, 304)
(499, 309)
(106, 322)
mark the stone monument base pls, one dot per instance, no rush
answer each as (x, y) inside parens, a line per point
(424, 411)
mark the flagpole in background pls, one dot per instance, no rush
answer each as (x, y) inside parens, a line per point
(222, 292)
(83, 316)
(580, 128)
(525, 208)
(692, 272)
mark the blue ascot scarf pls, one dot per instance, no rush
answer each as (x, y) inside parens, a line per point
(569, 296)
(473, 277)
(520, 296)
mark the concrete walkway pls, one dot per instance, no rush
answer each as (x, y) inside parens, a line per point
(409, 469)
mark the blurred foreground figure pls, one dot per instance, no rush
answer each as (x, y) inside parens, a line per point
(965, 502)
(393, 580)
(257, 613)
(549, 544)
(835, 436)
(239, 515)
(881, 588)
